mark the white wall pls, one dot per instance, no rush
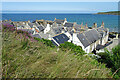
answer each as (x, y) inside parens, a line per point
(76, 41)
(47, 29)
(68, 35)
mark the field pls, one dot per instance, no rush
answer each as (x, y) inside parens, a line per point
(23, 58)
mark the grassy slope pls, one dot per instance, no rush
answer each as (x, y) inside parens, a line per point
(111, 12)
(0, 53)
(38, 60)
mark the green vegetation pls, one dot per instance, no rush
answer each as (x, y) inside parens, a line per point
(111, 13)
(25, 57)
(112, 60)
(0, 53)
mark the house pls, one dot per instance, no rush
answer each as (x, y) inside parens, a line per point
(88, 40)
(59, 39)
(59, 22)
(104, 34)
(47, 29)
(45, 36)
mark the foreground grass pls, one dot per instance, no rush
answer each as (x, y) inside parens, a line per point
(27, 59)
(0, 54)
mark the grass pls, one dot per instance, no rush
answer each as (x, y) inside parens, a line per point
(27, 59)
(0, 54)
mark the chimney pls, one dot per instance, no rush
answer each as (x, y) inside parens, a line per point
(63, 30)
(9, 19)
(28, 21)
(86, 25)
(81, 25)
(95, 25)
(74, 29)
(65, 19)
(102, 24)
(55, 18)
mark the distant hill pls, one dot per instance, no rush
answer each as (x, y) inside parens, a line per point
(110, 13)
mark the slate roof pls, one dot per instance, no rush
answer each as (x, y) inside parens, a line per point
(41, 28)
(31, 24)
(36, 35)
(61, 38)
(88, 37)
(83, 39)
(59, 21)
(58, 30)
(45, 36)
(68, 25)
(102, 31)
(92, 35)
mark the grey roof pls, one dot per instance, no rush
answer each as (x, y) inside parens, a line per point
(6, 22)
(45, 36)
(88, 37)
(83, 39)
(41, 28)
(68, 25)
(36, 35)
(61, 38)
(58, 30)
(59, 21)
(31, 24)
(92, 35)
(102, 31)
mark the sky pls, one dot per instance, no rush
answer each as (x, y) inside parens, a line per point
(60, 7)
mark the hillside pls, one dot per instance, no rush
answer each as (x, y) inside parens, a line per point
(110, 13)
(26, 57)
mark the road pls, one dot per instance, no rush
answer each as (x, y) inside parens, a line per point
(109, 47)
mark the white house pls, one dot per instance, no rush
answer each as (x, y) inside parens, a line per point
(47, 29)
(88, 40)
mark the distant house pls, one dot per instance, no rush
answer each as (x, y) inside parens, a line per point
(68, 24)
(47, 29)
(40, 28)
(104, 34)
(59, 39)
(45, 36)
(59, 22)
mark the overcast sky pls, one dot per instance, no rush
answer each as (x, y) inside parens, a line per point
(80, 7)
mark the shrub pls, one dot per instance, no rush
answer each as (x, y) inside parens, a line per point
(74, 48)
(45, 41)
(112, 60)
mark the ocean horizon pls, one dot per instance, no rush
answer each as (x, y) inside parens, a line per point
(110, 21)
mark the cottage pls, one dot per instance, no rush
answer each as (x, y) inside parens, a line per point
(88, 40)
(59, 22)
(104, 34)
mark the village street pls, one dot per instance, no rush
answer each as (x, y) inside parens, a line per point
(114, 43)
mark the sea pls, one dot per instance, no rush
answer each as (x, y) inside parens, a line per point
(110, 21)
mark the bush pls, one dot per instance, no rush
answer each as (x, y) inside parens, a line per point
(45, 41)
(74, 48)
(112, 60)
